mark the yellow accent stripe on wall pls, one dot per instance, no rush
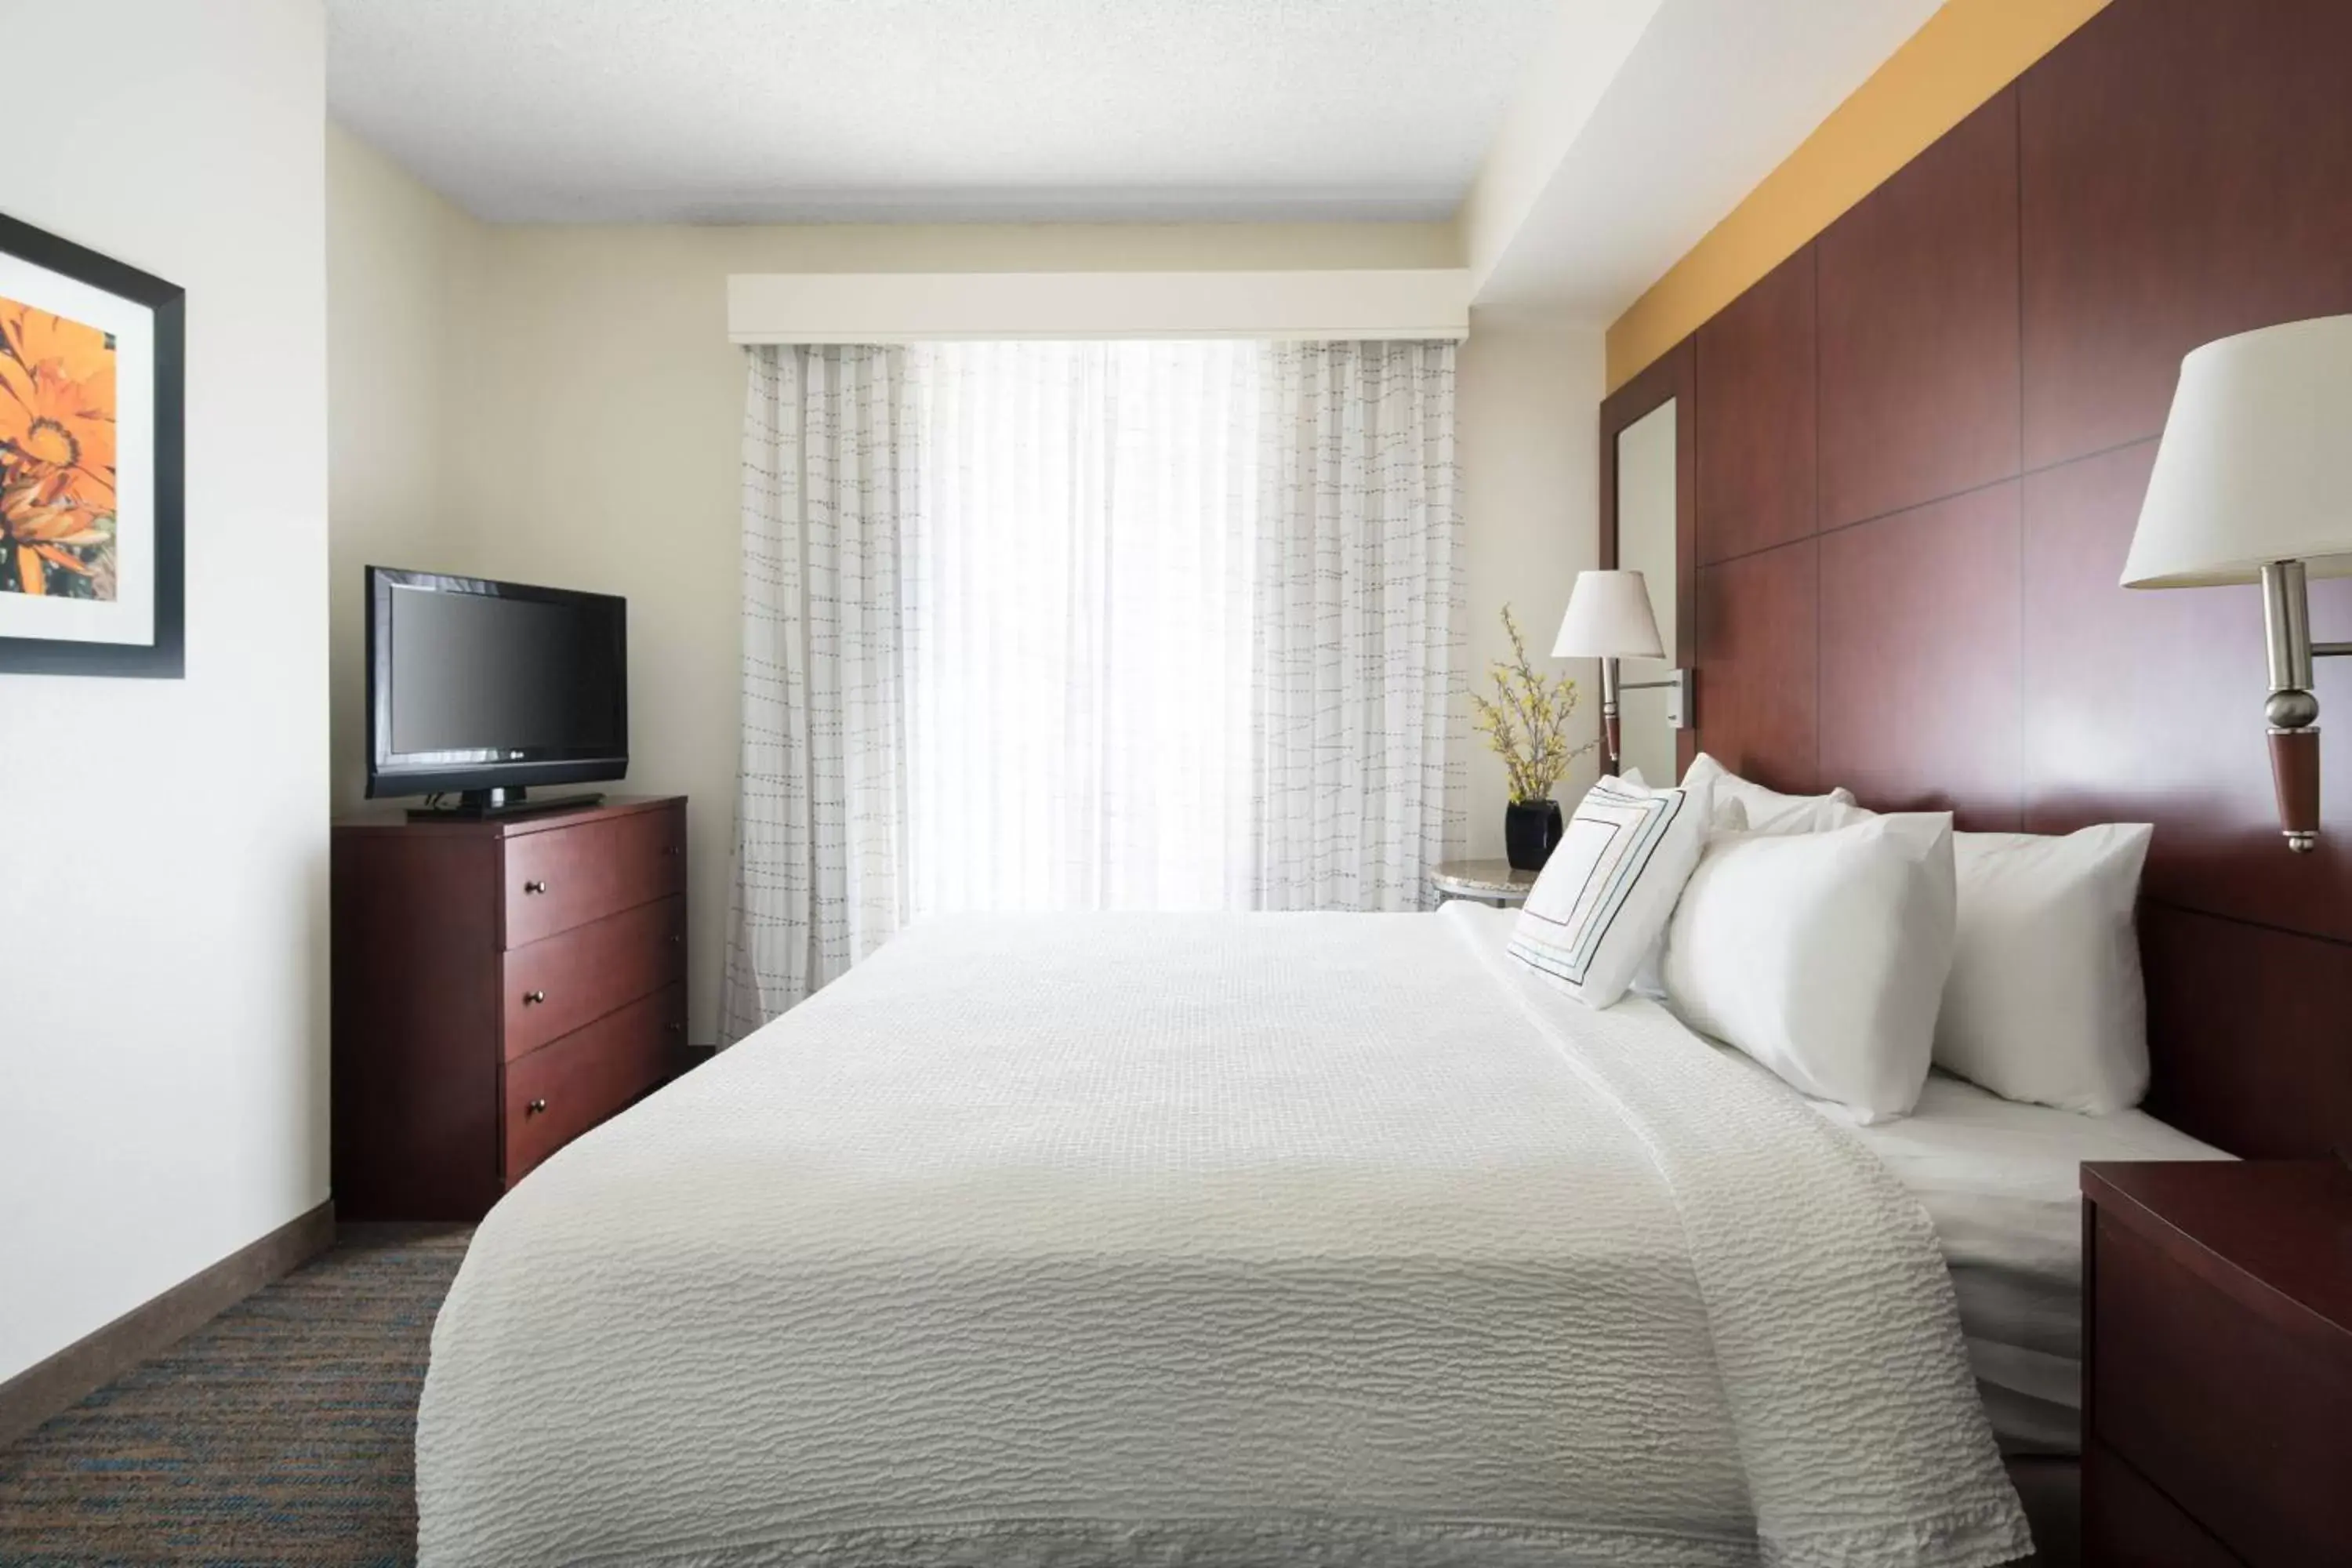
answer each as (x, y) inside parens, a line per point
(1962, 56)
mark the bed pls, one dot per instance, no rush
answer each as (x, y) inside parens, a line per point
(1210, 1240)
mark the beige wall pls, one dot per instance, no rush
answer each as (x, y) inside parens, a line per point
(607, 456)
(1528, 394)
(401, 266)
(163, 1027)
(560, 405)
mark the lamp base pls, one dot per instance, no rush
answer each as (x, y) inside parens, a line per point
(2294, 774)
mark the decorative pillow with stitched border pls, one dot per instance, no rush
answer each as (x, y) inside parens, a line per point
(1610, 887)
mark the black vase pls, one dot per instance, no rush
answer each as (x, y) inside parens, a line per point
(1530, 828)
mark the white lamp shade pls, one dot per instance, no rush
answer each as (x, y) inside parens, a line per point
(2256, 461)
(1608, 617)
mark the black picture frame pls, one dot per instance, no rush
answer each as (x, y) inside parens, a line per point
(164, 658)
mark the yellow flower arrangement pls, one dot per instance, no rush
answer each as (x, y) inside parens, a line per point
(1526, 722)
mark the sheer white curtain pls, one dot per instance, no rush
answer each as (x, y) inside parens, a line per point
(1078, 621)
(830, 485)
(1091, 625)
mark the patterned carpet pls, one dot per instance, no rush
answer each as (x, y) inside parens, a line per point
(278, 1433)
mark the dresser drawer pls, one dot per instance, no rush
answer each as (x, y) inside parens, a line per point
(2239, 1422)
(562, 1089)
(554, 986)
(566, 876)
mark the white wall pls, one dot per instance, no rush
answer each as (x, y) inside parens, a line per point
(1527, 394)
(1561, 84)
(162, 1016)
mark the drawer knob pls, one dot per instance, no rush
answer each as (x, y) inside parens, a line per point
(530, 997)
(675, 1028)
(534, 1108)
(669, 849)
(676, 938)
(534, 886)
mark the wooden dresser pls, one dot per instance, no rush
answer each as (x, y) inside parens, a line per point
(2217, 1364)
(499, 988)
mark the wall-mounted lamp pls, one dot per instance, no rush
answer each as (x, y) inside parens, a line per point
(2254, 483)
(1609, 619)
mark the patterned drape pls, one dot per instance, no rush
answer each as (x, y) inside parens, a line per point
(830, 484)
(1089, 625)
(1359, 672)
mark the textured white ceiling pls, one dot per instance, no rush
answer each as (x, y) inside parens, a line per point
(746, 111)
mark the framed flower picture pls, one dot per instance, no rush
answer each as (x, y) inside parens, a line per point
(92, 538)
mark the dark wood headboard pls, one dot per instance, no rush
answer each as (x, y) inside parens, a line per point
(1913, 457)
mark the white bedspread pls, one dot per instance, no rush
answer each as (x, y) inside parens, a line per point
(1214, 1241)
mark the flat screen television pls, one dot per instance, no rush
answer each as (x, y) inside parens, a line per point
(483, 688)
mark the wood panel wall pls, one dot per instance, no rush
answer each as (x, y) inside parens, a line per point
(1921, 446)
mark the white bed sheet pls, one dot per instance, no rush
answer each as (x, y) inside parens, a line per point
(2001, 1179)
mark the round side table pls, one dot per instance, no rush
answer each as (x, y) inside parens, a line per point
(1487, 881)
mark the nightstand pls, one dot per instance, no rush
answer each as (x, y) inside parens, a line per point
(2217, 1380)
(1492, 882)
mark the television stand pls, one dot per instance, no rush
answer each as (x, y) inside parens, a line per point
(447, 1085)
(484, 804)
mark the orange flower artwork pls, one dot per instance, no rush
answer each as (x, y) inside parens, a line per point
(57, 455)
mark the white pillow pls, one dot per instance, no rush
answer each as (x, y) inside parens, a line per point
(2045, 1002)
(1612, 882)
(1822, 955)
(1649, 980)
(1770, 811)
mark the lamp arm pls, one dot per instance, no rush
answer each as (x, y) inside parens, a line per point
(1609, 732)
(1683, 683)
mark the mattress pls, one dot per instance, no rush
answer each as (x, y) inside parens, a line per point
(1213, 1239)
(2000, 1181)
